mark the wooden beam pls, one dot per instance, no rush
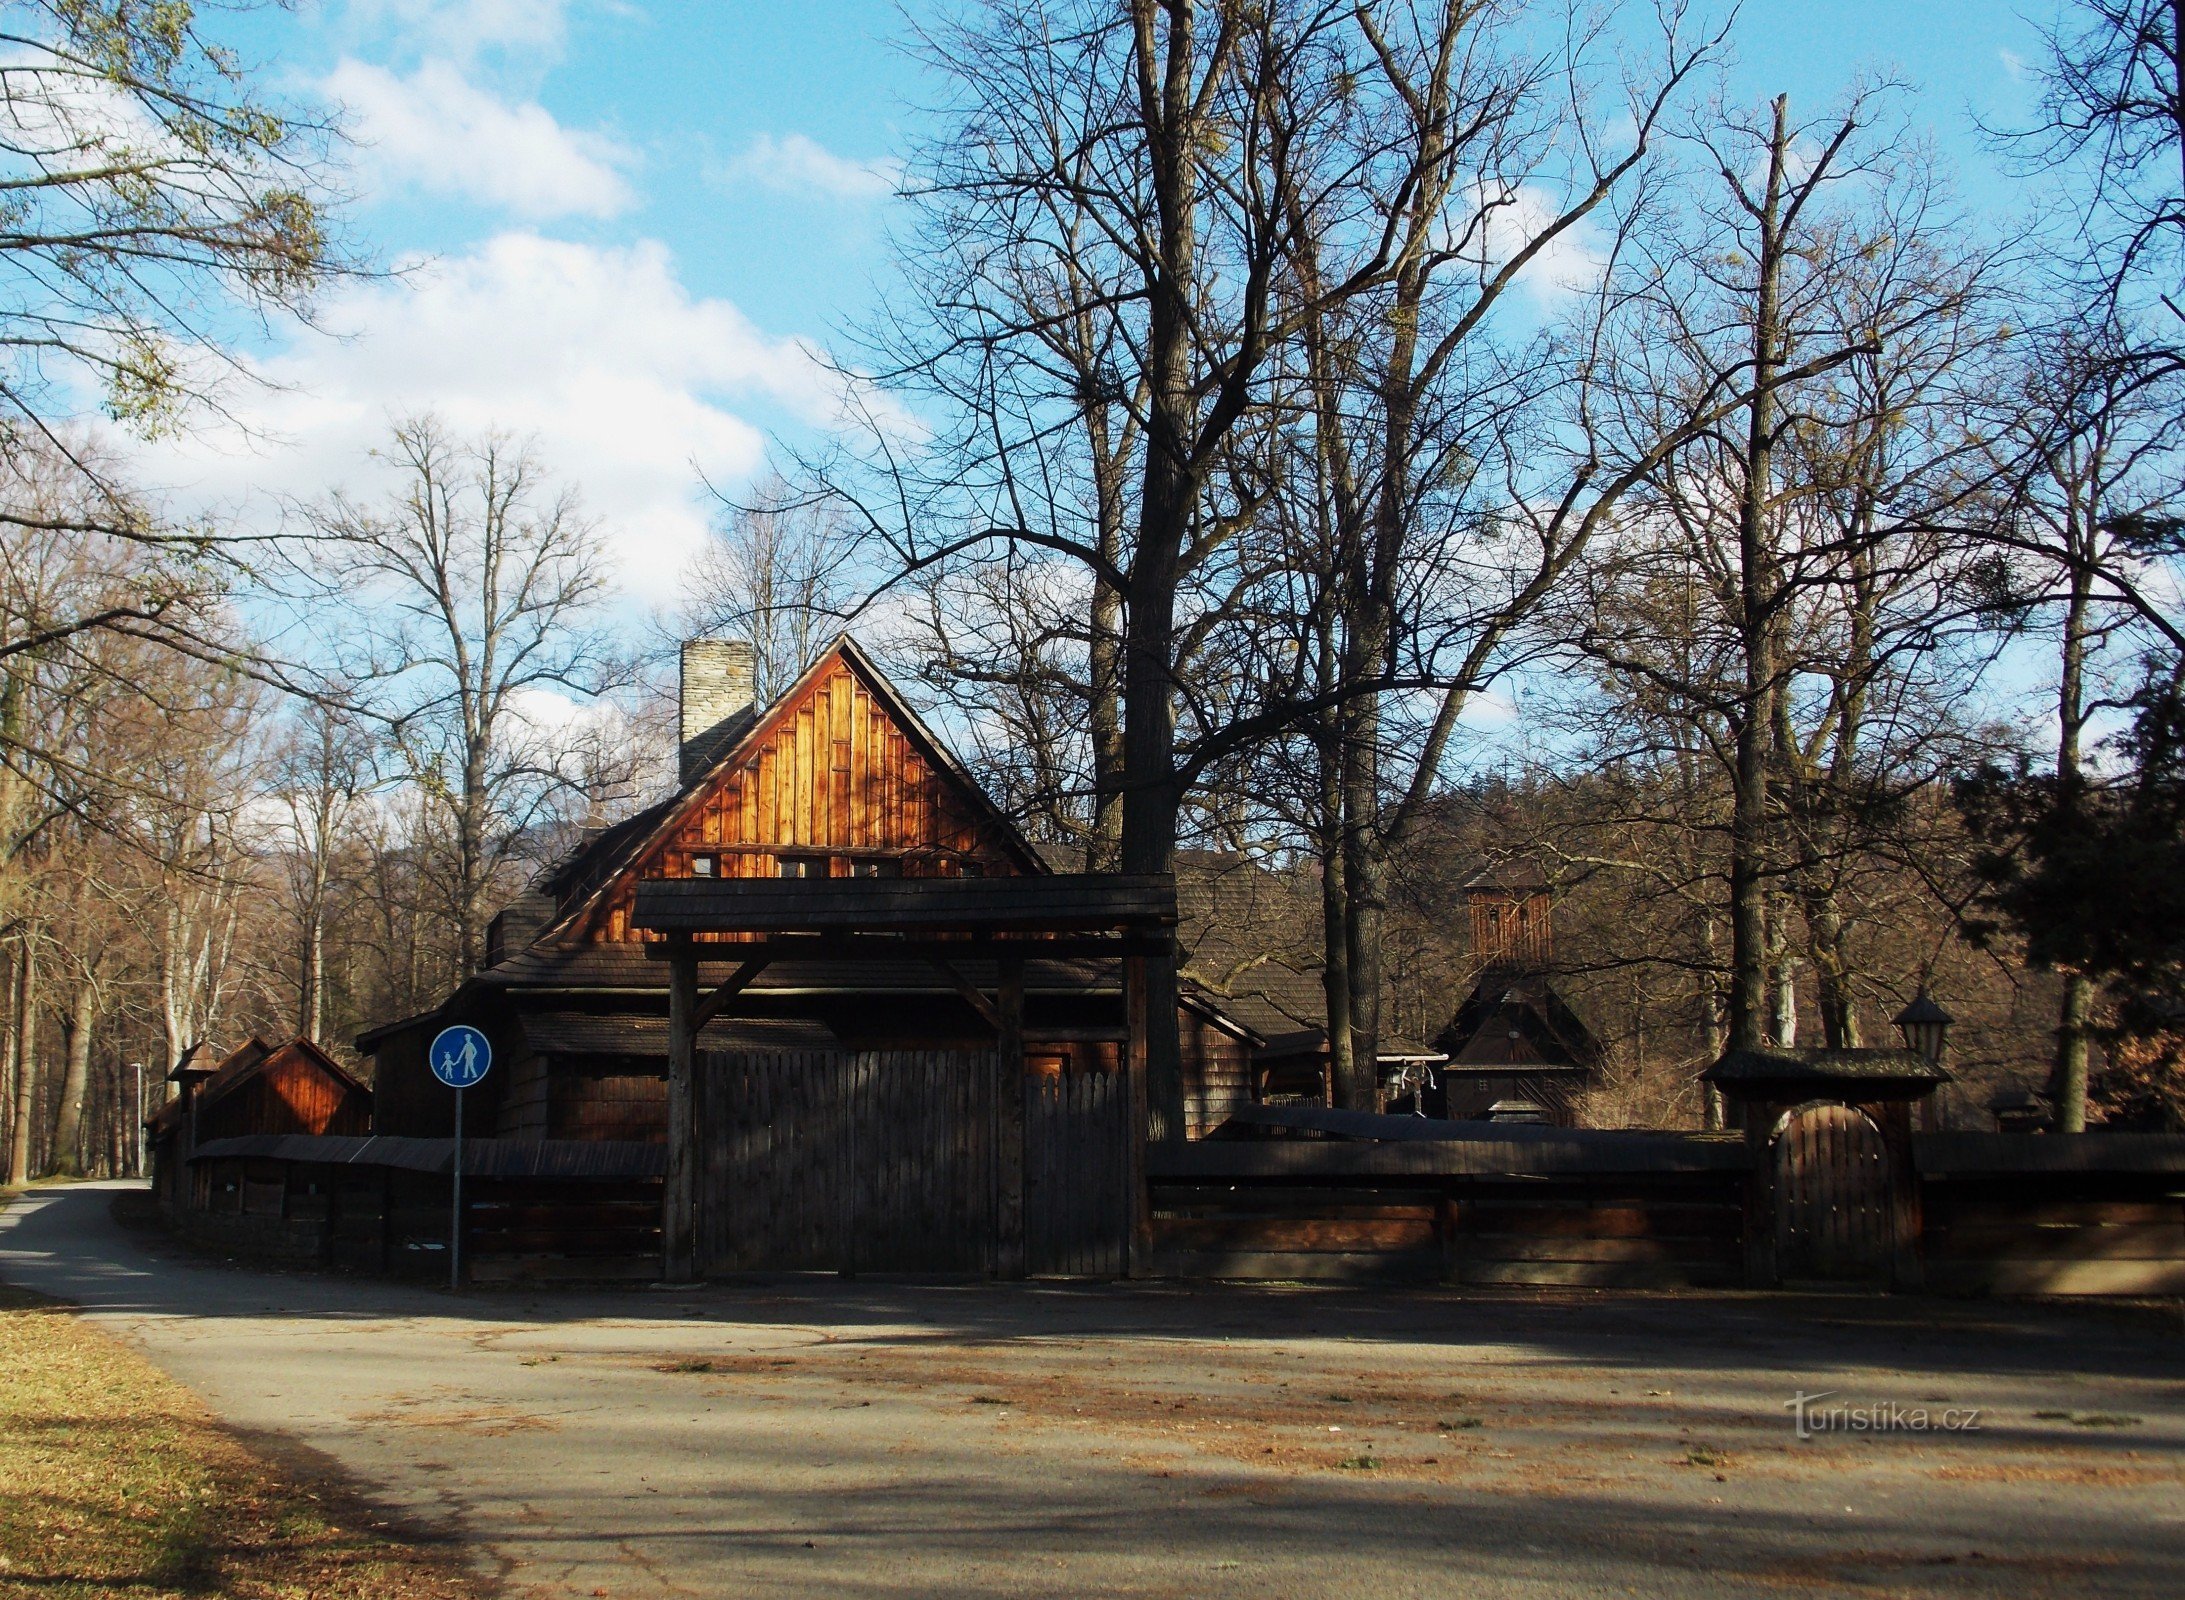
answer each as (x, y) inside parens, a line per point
(1064, 903)
(718, 1001)
(1138, 1223)
(898, 947)
(678, 1201)
(970, 991)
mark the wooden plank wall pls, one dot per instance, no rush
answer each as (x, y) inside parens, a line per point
(291, 1094)
(2055, 1234)
(1668, 1230)
(1217, 1074)
(607, 1102)
(1077, 1166)
(533, 1230)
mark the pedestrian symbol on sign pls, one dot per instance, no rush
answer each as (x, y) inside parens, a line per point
(460, 1056)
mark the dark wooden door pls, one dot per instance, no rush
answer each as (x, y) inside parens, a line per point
(1076, 1174)
(1832, 1213)
(846, 1161)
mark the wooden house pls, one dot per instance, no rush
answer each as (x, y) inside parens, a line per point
(838, 779)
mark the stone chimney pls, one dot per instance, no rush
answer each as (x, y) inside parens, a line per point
(716, 689)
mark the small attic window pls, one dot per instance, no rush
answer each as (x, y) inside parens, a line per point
(704, 867)
(802, 866)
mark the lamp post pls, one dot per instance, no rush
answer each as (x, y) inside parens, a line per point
(1925, 1026)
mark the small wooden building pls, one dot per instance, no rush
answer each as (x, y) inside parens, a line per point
(257, 1088)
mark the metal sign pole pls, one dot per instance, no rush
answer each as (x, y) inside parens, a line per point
(459, 1057)
(455, 1218)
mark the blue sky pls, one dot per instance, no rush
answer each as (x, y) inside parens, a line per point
(628, 227)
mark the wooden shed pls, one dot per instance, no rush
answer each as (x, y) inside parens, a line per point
(257, 1088)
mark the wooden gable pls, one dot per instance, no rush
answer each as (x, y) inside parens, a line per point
(837, 777)
(290, 1088)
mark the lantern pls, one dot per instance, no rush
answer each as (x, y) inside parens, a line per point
(1925, 1026)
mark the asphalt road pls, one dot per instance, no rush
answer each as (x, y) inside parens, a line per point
(819, 1437)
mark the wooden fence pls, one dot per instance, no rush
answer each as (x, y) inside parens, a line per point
(1996, 1214)
(533, 1210)
(891, 1162)
(2094, 1213)
(1631, 1210)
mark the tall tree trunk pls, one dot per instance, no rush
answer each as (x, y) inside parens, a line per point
(1782, 979)
(1167, 501)
(83, 1010)
(311, 1001)
(1104, 643)
(1364, 902)
(1104, 716)
(470, 871)
(2068, 1076)
(26, 1056)
(1335, 921)
(1749, 832)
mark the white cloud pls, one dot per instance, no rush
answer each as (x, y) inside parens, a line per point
(625, 379)
(464, 28)
(444, 134)
(795, 164)
(1508, 217)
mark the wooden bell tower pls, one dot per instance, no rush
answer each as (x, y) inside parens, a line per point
(1512, 927)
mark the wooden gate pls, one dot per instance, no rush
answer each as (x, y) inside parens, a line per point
(1076, 1174)
(1832, 1202)
(846, 1161)
(902, 1161)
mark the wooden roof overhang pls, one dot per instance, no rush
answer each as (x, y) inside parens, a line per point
(1081, 914)
(939, 920)
(1857, 1075)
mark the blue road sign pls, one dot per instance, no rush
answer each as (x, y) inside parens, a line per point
(459, 1056)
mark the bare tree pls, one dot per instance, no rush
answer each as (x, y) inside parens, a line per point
(324, 774)
(1113, 257)
(2111, 126)
(773, 575)
(483, 583)
(1819, 285)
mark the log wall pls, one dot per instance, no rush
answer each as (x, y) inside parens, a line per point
(1661, 1231)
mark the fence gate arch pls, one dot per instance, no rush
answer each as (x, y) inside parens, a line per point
(1832, 1196)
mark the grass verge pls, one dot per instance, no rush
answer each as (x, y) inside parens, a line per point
(115, 1482)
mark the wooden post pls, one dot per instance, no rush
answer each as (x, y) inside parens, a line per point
(1760, 1196)
(1138, 1234)
(386, 1218)
(1906, 1268)
(1009, 1119)
(678, 1243)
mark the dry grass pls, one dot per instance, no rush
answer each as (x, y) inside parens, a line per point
(115, 1482)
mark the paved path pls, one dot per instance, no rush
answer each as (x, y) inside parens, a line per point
(847, 1439)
